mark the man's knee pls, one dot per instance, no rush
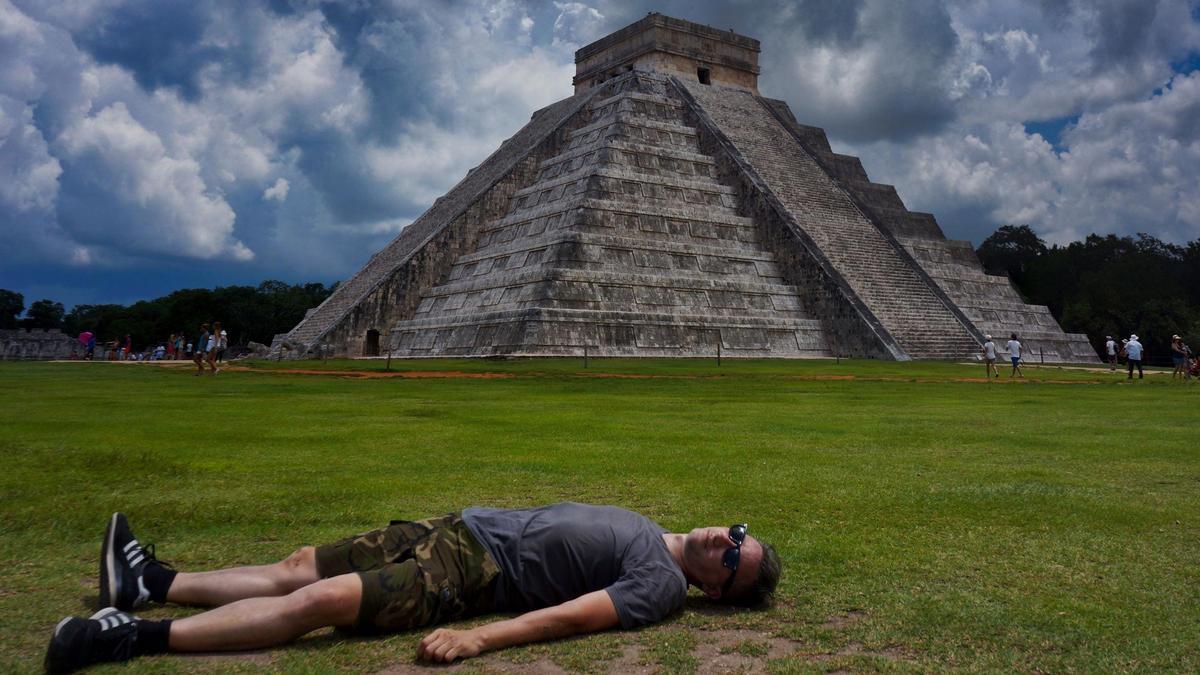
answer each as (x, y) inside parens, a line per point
(333, 601)
(300, 568)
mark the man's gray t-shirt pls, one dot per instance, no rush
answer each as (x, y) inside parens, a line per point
(551, 554)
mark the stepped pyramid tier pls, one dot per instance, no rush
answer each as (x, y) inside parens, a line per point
(990, 301)
(666, 209)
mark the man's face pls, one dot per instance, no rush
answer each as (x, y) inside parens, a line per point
(703, 549)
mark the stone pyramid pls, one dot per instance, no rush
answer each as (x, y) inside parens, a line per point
(666, 209)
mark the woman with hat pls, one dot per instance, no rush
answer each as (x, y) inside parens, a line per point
(1179, 354)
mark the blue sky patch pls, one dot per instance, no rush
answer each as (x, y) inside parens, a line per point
(1187, 65)
(1052, 130)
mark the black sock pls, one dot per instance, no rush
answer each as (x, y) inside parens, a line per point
(158, 581)
(153, 637)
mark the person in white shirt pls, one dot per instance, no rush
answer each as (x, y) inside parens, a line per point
(989, 357)
(1133, 353)
(214, 343)
(1014, 351)
(1110, 350)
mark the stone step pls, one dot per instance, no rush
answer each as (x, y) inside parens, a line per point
(635, 129)
(601, 239)
(616, 143)
(631, 120)
(606, 221)
(656, 99)
(553, 297)
(704, 184)
(614, 275)
(991, 304)
(655, 210)
(646, 159)
(567, 331)
(576, 256)
(603, 316)
(877, 195)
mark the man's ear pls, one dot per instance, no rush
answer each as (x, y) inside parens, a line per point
(712, 591)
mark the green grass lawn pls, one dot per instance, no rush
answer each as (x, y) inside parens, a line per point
(927, 520)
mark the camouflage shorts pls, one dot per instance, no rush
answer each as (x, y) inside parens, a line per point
(415, 573)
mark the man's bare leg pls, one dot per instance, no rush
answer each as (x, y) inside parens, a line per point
(254, 623)
(221, 587)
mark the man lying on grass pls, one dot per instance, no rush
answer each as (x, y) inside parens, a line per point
(571, 568)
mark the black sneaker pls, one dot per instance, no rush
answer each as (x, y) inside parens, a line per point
(109, 635)
(123, 564)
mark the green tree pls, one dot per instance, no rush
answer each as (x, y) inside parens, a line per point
(245, 312)
(44, 314)
(1108, 285)
(11, 306)
(1010, 250)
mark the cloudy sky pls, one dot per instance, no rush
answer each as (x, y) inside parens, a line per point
(149, 145)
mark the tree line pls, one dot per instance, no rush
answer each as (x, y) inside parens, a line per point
(247, 313)
(1106, 285)
(1103, 285)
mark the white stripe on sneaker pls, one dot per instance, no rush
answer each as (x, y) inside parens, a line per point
(132, 543)
(133, 562)
(143, 592)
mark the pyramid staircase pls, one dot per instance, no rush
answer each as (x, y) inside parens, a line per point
(625, 244)
(906, 302)
(990, 301)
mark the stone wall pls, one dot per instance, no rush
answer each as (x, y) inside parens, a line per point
(37, 345)
(397, 297)
(664, 44)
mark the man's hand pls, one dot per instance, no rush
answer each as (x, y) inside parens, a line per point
(585, 614)
(444, 645)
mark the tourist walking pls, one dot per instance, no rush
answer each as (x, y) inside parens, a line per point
(88, 339)
(214, 345)
(1179, 358)
(989, 357)
(198, 353)
(1014, 352)
(222, 344)
(1110, 350)
(1133, 356)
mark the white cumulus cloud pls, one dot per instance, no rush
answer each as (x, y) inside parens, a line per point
(277, 192)
(129, 163)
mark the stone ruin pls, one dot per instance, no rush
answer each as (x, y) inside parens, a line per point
(667, 209)
(37, 344)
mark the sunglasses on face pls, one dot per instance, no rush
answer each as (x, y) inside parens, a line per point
(733, 555)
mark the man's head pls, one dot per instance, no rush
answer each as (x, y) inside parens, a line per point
(743, 575)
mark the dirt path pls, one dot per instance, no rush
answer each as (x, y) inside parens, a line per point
(373, 374)
(458, 374)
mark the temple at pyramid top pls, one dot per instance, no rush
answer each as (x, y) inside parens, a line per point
(664, 44)
(667, 209)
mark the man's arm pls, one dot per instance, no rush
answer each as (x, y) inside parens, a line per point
(585, 614)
